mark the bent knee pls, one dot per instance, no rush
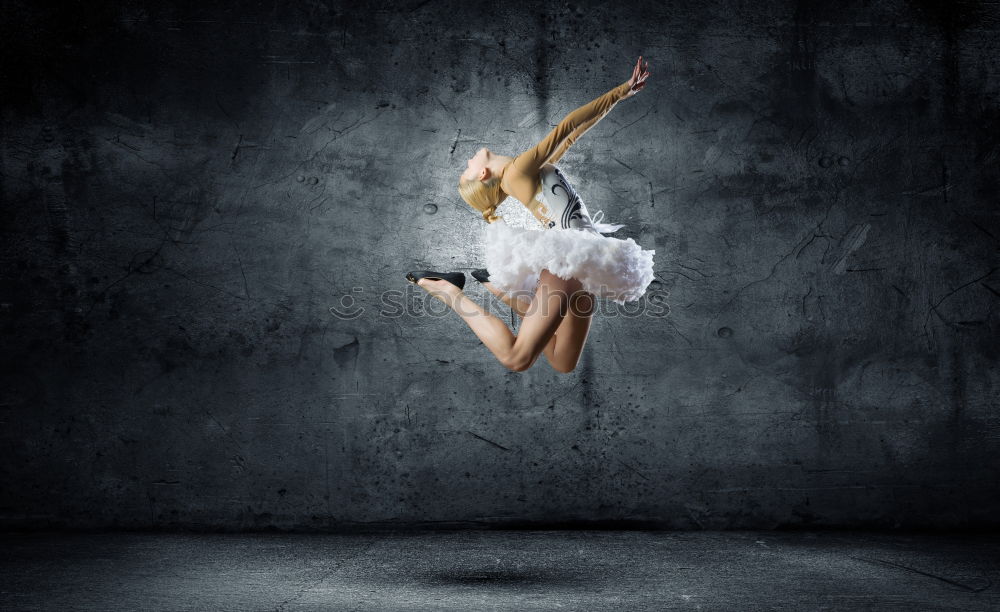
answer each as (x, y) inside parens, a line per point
(517, 363)
(518, 366)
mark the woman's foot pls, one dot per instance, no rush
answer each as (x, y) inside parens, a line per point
(455, 278)
(441, 289)
(482, 275)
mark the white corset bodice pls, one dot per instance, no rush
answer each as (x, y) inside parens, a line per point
(565, 208)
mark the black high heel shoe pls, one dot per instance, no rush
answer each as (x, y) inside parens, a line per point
(455, 278)
(482, 275)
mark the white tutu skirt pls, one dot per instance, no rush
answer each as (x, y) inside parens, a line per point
(611, 268)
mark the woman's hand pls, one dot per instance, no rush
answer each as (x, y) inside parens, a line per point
(639, 76)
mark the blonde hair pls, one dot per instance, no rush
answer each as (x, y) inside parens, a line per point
(484, 196)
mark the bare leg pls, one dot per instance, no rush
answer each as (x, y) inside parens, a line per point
(517, 353)
(570, 336)
(520, 305)
(574, 329)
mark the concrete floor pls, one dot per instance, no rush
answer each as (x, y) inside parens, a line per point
(501, 570)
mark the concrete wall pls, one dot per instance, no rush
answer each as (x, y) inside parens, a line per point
(188, 191)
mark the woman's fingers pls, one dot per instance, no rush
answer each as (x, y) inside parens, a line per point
(638, 69)
(641, 67)
(640, 72)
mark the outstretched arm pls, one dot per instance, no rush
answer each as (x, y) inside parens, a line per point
(575, 124)
(580, 130)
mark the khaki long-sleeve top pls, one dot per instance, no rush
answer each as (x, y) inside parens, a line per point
(520, 177)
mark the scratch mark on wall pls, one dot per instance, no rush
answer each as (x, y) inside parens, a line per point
(933, 307)
(246, 288)
(633, 123)
(852, 241)
(991, 289)
(635, 471)
(490, 442)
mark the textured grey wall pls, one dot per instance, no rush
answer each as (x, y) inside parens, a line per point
(187, 192)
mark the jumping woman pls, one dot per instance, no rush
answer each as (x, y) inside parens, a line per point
(550, 277)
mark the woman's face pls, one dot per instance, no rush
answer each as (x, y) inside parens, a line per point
(476, 163)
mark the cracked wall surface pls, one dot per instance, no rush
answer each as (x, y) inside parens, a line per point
(208, 213)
